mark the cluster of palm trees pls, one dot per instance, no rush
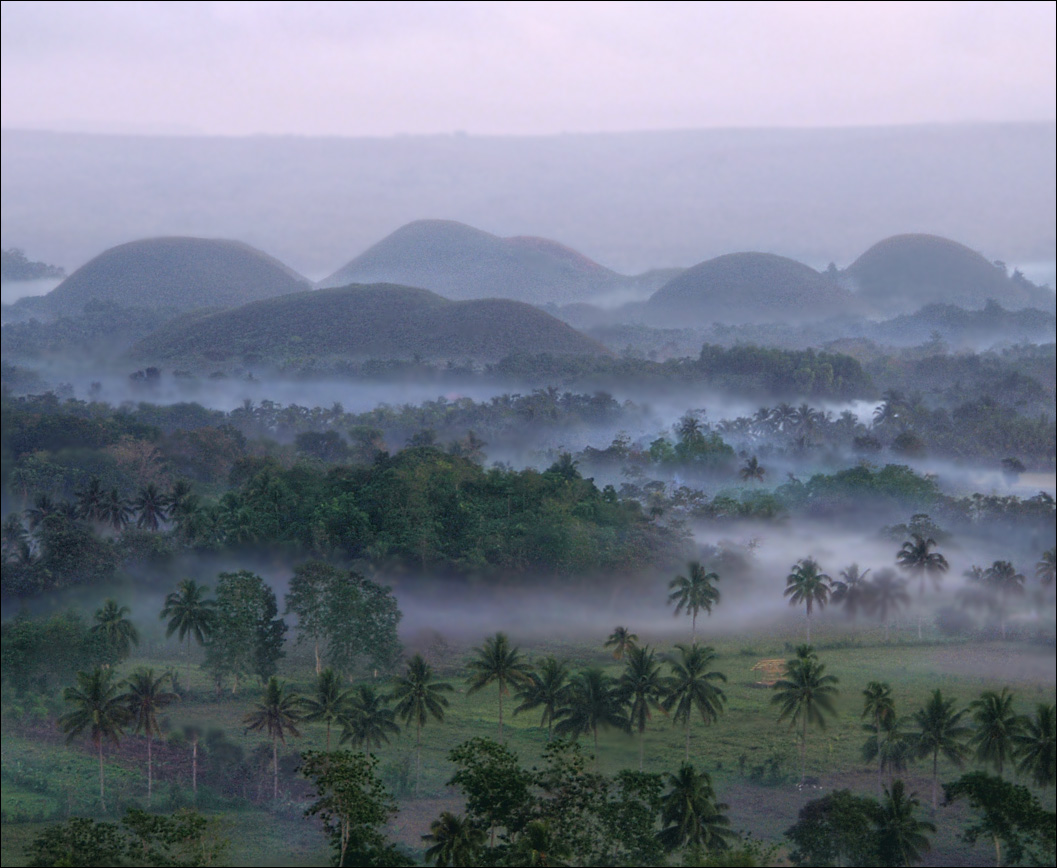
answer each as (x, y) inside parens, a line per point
(104, 708)
(150, 506)
(988, 730)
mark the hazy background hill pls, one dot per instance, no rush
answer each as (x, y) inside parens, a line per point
(630, 201)
(178, 274)
(380, 321)
(461, 262)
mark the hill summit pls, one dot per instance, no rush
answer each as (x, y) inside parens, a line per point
(461, 262)
(381, 321)
(175, 273)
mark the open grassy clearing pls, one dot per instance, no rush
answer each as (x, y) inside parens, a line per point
(753, 759)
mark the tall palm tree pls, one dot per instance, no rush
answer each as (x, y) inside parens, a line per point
(852, 591)
(115, 510)
(1034, 748)
(100, 707)
(879, 706)
(1003, 578)
(693, 592)
(888, 594)
(191, 614)
(752, 470)
(329, 704)
(368, 722)
(1046, 568)
(939, 730)
(808, 585)
(917, 558)
(147, 697)
(114, 628)
(691, 687)
(621, 640)
(418, 698)
(690, 814)
(805, 695)
(500, 664)
(455, 841)
(545, 689)
(592, 702)
(90, 500)
(996, 726)
(901, 835)
(150, 504)
(276, 714)
(43, 507)
(641, 686)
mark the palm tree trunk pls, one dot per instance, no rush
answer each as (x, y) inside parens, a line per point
(275, 768)
(693, 628)
(998, 851)
(418, 754)
(102, 797)
(688, 738)
(150, 767)
(319, 665)
(500, 712)
(642, 746)
(194, 769)
(877, 724)
(328, 738)
(808, 626)
(188, 657)
(935, 776)
(803, 750)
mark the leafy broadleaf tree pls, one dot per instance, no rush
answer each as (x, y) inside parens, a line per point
(495, 786)
(805, 695)
(837, 829)
(496, 662)
(147, 697)
(277, 714)
(354, 807)
(99, 707)
(248, 634)
(694, 593)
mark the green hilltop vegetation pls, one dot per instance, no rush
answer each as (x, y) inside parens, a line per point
(461, 262)
(904, 272)
(380, 321)
(179, 274)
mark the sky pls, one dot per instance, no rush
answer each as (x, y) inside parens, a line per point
(383, 69)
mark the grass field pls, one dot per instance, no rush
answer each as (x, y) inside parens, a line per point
(752, 758)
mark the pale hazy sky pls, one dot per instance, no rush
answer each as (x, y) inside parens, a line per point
(520, 68)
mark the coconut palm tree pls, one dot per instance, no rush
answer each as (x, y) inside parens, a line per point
(901, 836)
(691, 687)
(918, 559)
(90, 500)
(888, 594)
(455, 841)
(852, 591)
(592, 702)
(147, 697)
(693, 592)
(752, 470)
(805, 695)
(1046, 568)
(99, 707)
(641, 686)
(545, 689)
(191, 614)
(621, 640)
(329, 704)
(368, 722)
(690, 814)
(939, 730)
(277, 714)
(996, 726)
(150, 504)
(115, 630)
(498, 663)
(1003, 578)
(807, 584)
(115, 510)
(418, 698)
(879, 706)
(1034, 748)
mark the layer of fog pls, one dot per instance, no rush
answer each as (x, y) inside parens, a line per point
(12, 290)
